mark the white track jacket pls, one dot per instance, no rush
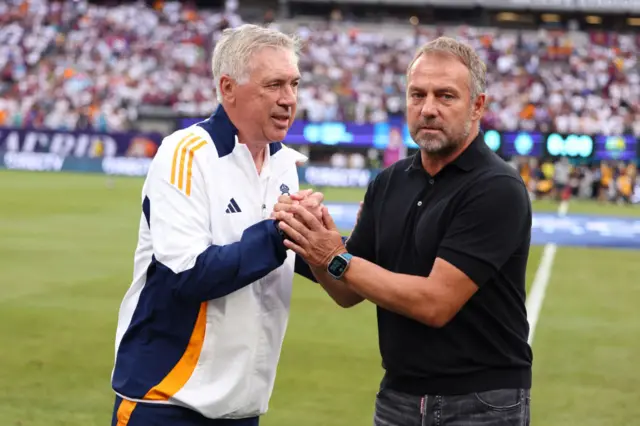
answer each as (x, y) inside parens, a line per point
(203, 322)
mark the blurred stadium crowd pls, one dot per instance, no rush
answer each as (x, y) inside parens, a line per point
(560, 180)
(76, 65)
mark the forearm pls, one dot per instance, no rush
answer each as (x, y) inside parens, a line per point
(339, 291)
(222, 270)
(303, 269)
(406, 295)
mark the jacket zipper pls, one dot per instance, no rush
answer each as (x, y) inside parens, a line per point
(264, 212)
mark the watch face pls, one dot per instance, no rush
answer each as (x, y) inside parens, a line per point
(337, 266)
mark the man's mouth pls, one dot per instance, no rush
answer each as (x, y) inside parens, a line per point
(281, 119)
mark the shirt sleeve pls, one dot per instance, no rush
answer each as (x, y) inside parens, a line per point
(361, 243)
(178, 215)
(488, 227)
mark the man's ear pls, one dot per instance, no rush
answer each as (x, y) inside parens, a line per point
(478, 106)
(227, 88)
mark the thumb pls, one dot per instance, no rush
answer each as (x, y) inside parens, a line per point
(327, 220)
(301, 194)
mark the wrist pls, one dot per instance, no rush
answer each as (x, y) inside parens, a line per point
(339, 264)
(338, 251)
(281, 233)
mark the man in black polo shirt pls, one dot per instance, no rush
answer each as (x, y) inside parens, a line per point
(441, 248)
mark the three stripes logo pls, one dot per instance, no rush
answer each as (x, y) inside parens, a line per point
(184, 152)
(233, 207)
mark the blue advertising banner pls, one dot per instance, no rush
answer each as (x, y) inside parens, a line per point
(571, 230)
(79, 143)
(337, 133)
(624, 148)
(330, 133)
(507, 144)
(378, 135)
(48, 162)
(571, 145)
(136, 166)
(336, 177)
(528, 144)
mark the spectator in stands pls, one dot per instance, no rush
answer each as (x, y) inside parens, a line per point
(561, 177)
(123, 59)
(80, 65)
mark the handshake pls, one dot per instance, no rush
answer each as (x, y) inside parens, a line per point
(310, 229)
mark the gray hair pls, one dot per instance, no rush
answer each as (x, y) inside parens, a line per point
(233, 52)
(466, 55)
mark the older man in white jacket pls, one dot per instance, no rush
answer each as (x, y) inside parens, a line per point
(201, 327)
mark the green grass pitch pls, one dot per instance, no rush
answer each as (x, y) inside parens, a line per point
(66, 246)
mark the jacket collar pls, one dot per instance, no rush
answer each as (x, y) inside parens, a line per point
(223, 133)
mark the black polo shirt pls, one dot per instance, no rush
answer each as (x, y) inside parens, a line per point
(476, 214)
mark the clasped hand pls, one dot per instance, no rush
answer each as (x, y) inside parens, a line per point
(309, 227)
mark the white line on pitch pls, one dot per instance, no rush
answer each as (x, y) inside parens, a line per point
(564, 207)
(535, 298)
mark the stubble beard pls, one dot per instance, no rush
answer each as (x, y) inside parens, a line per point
(443, 144)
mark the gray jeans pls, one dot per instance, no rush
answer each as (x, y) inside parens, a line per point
(503, 407)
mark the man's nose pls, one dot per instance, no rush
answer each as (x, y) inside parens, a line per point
(429, 109)
(287, 97)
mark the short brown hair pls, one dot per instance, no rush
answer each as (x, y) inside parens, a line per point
(466, 55)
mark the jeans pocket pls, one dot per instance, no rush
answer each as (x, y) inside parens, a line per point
(501, 399)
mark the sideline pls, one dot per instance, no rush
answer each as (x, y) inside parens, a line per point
(536, 295)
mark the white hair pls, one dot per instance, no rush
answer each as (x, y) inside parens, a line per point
(233, 52)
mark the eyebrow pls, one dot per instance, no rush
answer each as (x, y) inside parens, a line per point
(437, 90)
(280, 79)
(449, 89)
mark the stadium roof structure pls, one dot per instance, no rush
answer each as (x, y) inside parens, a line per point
(604, 6)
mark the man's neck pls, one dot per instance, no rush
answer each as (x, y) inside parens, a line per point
(434, 163)
(258, 157)
(257, 152)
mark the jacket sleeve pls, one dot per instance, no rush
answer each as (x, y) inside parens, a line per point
(178, 214)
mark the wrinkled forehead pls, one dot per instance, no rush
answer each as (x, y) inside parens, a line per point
(438, 70)
(274, 63)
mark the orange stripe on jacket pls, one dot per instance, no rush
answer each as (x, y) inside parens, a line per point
(175, 155)
(190, 163)
(180, 374)
(124, 412)
(183, 155)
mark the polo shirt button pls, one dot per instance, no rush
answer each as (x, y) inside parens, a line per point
(419, 203)
(431, 181)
